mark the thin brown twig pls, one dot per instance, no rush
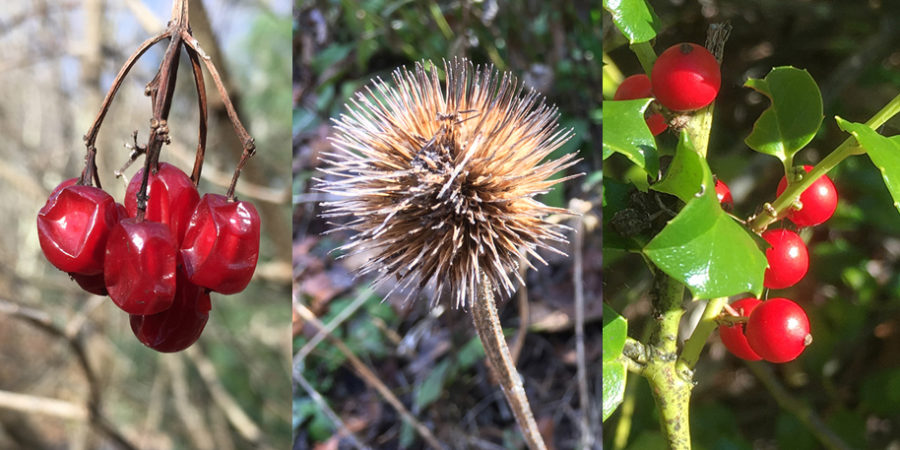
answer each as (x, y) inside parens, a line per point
(587, 436)
(42, 405)
(370, 378)
(42, 320)
(204, 117)
(198, 430)
(323, 406)
(247, 428)
(524, 313)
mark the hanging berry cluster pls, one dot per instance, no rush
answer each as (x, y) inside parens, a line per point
(160, 253)
(777, 329)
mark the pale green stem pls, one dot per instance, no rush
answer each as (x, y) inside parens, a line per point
(690, 353)
(645, 55)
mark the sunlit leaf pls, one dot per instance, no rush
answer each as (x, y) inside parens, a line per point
(883, 151)
(634, 18)
(626, 132)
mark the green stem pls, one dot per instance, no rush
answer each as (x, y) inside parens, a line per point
(698, 129)
(645, 54)
(847, 148)
(690, 353)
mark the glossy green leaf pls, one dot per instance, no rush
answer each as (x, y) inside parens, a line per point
(634, 18)
(883, 151)
(613, 386)
(687, 173)
(706, 250)
(615, 330)
(626, 132)
(794, 115)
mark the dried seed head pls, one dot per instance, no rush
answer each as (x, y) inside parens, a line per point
(439, 182)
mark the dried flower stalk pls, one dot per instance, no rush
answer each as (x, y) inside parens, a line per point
(440, 183)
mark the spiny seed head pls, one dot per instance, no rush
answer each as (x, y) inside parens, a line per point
(439, 182)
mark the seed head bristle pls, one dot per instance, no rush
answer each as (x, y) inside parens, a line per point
(439, 182)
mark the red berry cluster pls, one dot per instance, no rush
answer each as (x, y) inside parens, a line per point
(777, 329)
(158, 265)
(684, 78)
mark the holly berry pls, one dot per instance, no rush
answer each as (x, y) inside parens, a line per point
(140, 266)
(638, 86)
(787, 257)
(723, 194)
(171, 198)
(778, 330)
(733, 335)
(178, 327)
(819, 201)
(74, 225)
(221, 245)
(685, 77)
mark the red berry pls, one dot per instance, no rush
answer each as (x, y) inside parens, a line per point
(73, 228)
(819, 201)
(733, 335)
(95, 284)
(778, 330)
(723, 194)
(140, 266)
(221, 246)
(686, 77)
(788, 258)
(178, 327)
(638, 86)
(171, 198)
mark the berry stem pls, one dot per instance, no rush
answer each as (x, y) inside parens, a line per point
(487, 324)
(690, 354)
(645, 54)
(846, 149)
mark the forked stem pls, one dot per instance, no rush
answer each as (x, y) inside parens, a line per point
(487, 324)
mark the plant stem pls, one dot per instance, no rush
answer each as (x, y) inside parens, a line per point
(847, 148)
(698, 128)
(645, 55)
(690, 353)
(487, 324)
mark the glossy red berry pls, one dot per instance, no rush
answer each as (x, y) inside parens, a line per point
(178, 327)
(171, 198)
(787, 257)
(221, 246)
(723, 194)
(686, 77)
(638, 86)
(819, 201)
(778, 330)
(73, 228)
(95, 284)
(140, 266)
(733, 335)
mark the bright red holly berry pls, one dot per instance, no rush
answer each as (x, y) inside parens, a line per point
(733, 335)
(171, 198)
(778, 330)
(685, 77)
(178, 327)
(723, 194)
(221, 246)
(638, 86)
(787, 257)
(74, 225)
(140, 266)
(819, 201)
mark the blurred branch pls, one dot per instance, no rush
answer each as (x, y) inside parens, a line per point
(192, 418)
(42, 405)
(42, 320)
(367, 375)
(320, 402)
(587, 436)
(801, 410)
(236, 416)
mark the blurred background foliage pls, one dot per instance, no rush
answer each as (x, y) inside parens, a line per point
(57, 60)
(430, 358)
(851, 373)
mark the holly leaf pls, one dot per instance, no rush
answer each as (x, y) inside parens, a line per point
(883, 151)
(613, 386)
(704, 248)
(687, 173)
(626, 132)
(634, 18)
(792, 118)
(615, 330)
